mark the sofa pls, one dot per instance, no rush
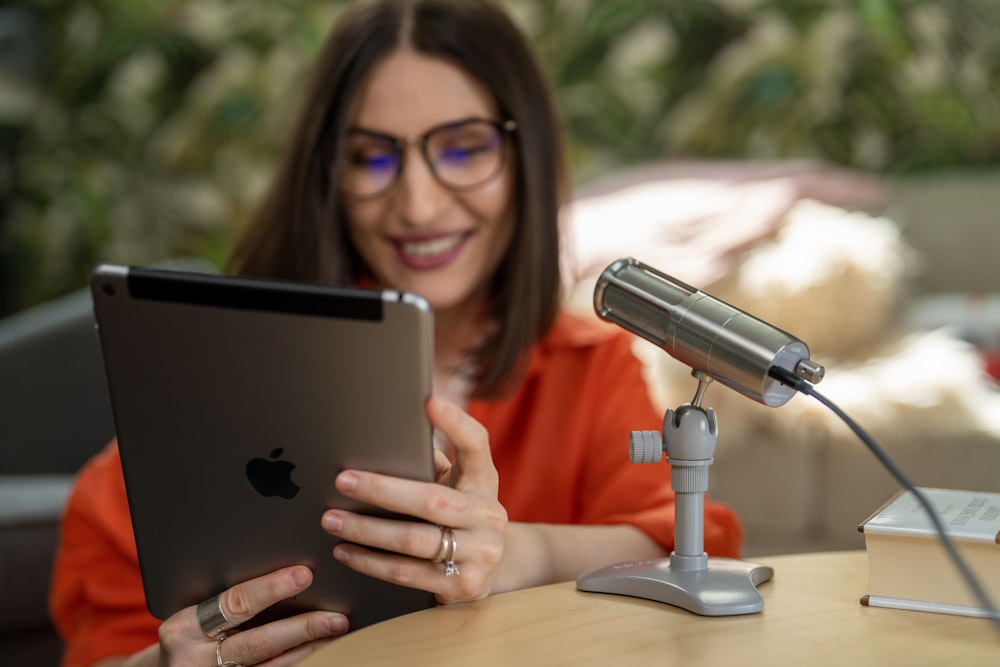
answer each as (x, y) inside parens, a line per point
(54, 415)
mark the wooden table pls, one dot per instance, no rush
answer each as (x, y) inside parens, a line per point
(811, 617)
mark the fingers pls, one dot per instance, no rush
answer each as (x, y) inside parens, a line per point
(473, 473)
(278, 637)
(414, 545)
(441, 466)
(183, 640)
(472, 445)
(470, 562)
(418, 539)
(475, 580)
(465, 500)
(245, 600)
(432, 502)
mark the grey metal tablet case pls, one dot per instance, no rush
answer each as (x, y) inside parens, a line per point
(237, 402)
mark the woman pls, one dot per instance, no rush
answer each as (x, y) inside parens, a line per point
(426, 158)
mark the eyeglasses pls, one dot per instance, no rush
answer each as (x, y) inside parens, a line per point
(462, 155)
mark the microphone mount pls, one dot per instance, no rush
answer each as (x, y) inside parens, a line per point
(719, 342)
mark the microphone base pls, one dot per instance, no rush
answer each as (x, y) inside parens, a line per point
(699, 583)
(724, 587)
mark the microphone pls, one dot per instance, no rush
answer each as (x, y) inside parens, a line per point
(709, 335)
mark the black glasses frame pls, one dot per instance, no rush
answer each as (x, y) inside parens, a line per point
(503, 127)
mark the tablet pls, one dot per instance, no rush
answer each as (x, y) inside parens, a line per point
(236, 403)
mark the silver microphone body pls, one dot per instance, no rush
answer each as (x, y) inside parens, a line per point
(707, 334)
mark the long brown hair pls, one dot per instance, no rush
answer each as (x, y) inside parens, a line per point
(300, 230)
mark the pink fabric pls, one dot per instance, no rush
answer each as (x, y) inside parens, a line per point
(692, 219)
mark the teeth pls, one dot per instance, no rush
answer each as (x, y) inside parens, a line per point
(431, 248)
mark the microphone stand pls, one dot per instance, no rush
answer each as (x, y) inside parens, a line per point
(689, 578)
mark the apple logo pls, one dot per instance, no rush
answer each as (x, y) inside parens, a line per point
(272, 477)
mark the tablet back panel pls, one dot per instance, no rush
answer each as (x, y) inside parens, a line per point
(236, 403)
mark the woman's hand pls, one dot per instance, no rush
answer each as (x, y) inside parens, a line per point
(278, 643)
(464, 499)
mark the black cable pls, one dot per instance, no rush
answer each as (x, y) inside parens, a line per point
(788, 378)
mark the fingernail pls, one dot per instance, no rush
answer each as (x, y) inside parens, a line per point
(301, 576)
(347, 480)
(443, 407)
(332, 522)
(436, 407)
(337, 624)
(341, 553)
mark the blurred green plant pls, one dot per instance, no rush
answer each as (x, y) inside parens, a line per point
(137, 130)
(148, 133)
(882, 85)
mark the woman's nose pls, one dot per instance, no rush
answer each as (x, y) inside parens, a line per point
(422, 199)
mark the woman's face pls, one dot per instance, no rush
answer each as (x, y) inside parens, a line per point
(421, 236)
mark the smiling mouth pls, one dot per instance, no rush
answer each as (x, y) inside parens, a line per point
(430, 253)
(432, 247)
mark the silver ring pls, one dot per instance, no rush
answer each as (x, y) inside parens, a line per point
(219, 662)
(211, 618)
(445, 544)
(446, 554)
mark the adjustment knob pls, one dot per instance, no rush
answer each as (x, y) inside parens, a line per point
(645, 446)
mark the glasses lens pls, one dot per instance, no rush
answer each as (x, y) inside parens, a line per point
(371, 164)
(466, 154)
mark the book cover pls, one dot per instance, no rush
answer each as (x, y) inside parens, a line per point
(909, 568)
(917, 605)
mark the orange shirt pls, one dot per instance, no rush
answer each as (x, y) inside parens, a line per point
(559, 444)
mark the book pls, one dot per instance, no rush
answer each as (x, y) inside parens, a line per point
(908, 566)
